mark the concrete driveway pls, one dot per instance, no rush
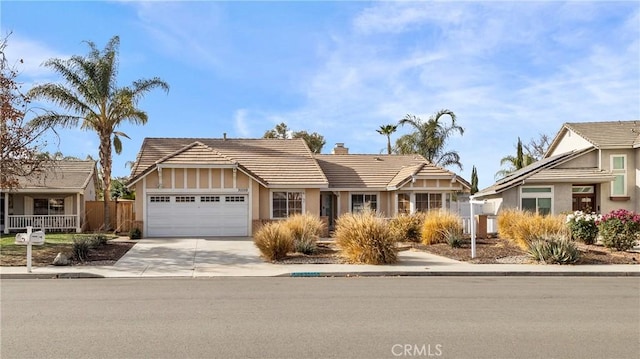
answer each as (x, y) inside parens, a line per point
(238, 256)
(181, 256)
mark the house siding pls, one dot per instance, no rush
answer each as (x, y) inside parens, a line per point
(312, 201)
(585, 161)
(631, 204)
(568, 142)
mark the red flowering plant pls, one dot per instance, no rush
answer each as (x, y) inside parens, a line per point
(619, 229)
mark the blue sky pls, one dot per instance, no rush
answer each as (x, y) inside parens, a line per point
(342, 69)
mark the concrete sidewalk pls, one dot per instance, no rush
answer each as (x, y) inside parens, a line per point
(222, 257)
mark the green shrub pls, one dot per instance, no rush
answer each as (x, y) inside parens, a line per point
(93, 241)
(274, 240)
(582, 226)
(619, 229)
(522, 227)
(453, 238)
(437, 224)
(365, 238)
(306, 245)
(135, 233)
(554, 250)
(407, 227)
(81, 247)
(305, 229)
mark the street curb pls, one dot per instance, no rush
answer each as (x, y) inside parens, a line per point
(460, 274)
(49, 275)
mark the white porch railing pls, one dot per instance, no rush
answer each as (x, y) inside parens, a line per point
(47, 222)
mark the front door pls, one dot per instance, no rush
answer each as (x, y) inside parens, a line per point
(584, 198)
(329, 207)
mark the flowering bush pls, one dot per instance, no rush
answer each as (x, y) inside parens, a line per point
(583, 226)
(620, 229)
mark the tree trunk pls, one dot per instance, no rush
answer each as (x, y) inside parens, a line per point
(389, 144)
(105, 163)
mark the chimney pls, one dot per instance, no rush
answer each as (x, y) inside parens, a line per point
(339, 149)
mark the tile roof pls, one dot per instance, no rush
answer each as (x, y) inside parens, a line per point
(66, 174)
(376, 171)
(196, 154)
(607, 134)
(518, 177)
(274, 162)
(573, 175)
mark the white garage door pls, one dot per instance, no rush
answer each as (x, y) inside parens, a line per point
(197, 215)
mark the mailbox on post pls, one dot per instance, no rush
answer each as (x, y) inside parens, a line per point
(30, 238)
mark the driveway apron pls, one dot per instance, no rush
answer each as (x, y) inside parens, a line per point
(181, 256)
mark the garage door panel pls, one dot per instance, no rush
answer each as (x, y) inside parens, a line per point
(208, 216)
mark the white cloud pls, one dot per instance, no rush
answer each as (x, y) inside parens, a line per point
(498, 66)
(33, 54)
(240, 121)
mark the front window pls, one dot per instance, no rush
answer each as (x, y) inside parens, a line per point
(286, 204)
(619, 169)
(48, 206)
(404, 206)
(360, 202)
(537, 199)
(427, 201)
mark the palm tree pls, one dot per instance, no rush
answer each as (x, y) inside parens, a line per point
(514, 163)
(429, 138)
(387, 130)
(95, 102)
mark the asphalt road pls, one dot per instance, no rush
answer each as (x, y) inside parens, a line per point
(434, 317)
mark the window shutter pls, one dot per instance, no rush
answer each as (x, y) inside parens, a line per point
(28, 205)
(68, 205)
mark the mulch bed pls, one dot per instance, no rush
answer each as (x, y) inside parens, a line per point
(108, 254)
(488, 251)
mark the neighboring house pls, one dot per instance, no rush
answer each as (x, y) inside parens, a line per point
(228, 187)
(52, 199)
(589, 166)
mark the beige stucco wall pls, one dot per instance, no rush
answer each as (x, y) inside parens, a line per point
(312, 201)
(255, 200)
(265, 207)
(139, 201)
(562, 198)
(383, 205)
(637, 171)
(631, 204)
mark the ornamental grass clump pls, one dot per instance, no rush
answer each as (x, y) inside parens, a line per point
(306, 229)
(407, 227)
(619, 229)
(582, 226)
(522, 227)
(554, 250)
(365, 238)
(274, 240)
(437, 224)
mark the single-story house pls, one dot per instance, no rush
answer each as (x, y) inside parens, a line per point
(229, 187)
(53, 198)
(589, 166)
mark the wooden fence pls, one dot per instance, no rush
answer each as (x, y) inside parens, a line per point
(121, 215)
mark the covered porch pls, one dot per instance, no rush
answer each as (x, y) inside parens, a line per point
(51, 212)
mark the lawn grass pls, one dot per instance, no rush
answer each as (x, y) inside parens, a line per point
(54, 243)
